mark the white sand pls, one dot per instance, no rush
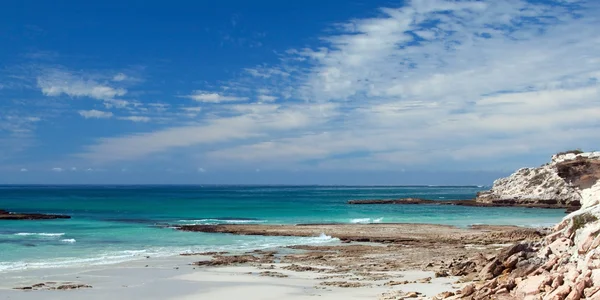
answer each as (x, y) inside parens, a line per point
(174, 278)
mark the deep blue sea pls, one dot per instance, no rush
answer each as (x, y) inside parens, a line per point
(113, 224)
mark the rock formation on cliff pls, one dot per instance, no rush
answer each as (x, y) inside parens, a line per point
(563, 265)
(562, 182)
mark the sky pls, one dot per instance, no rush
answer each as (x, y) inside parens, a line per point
(294, 92)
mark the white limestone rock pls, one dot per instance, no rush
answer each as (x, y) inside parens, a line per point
(547, 185)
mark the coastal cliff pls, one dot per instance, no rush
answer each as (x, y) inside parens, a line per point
(566, 263)
(569, 180)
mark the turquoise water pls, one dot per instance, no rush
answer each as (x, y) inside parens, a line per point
(118, 223)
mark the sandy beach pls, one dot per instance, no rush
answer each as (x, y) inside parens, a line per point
(174, 278)
(391, 268)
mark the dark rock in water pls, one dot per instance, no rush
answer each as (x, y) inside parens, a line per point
(72, 286)
(495, 203)
(54, 286)
(5, 215)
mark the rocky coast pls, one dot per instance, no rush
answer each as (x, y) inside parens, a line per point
(560, 263)
(562, 183)
(380, 261)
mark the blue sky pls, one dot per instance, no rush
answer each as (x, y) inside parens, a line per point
(305, 92)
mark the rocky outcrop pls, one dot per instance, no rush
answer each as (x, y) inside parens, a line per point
(563, 265)
(54, 286)
(564, 182)
(380, 233)
(5, 215)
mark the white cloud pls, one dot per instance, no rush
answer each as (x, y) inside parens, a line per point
(266, 98)
(116, 103)
(250, 121)
(192, 109)
(427, 84)
(73, 169)
(136, 119)
(210, 97)
(267, 72)
(17, 125)
(56, 82)
(201, 170)
(95, 114)
(24, 170)
(57, 169)
(120, 77)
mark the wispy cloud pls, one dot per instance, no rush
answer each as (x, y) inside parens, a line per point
(56, 82)
(209, 97)
(439, 79)
(120, 77)
(266, 98)
(195, 109)
(433, 81)
(136, 119)
(256, 121)
(95, 114)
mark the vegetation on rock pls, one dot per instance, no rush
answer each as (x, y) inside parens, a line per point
(575, 151)
(581, 220)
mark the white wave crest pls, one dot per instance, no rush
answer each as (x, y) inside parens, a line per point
(366, 220)
(360, 221)
(70, 241)
(38, 234)
(218, 221)
(323, 236)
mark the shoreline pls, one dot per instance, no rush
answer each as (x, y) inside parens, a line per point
(174, 278)
(356, 268)
(316, 236)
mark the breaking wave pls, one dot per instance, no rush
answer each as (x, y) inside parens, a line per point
(366, 220)
(221, 221)
(39, 234)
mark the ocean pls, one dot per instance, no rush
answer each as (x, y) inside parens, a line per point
(112, 224)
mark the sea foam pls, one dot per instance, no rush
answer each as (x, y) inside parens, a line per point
(115, 257)
(220, 221)
(366, 220)
(39, 234)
